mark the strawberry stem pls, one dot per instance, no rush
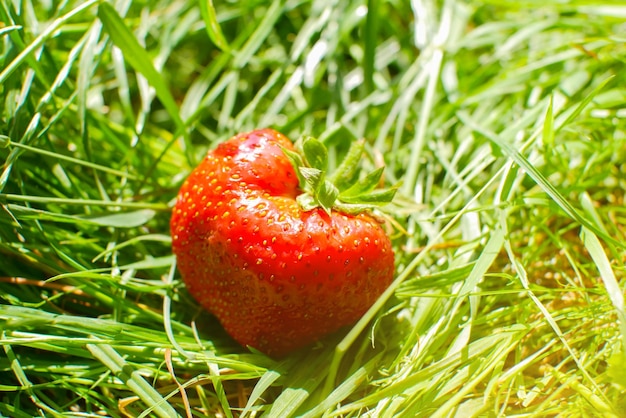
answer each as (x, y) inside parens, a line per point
(343, 190)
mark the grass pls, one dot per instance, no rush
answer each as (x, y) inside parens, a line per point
(502, 122)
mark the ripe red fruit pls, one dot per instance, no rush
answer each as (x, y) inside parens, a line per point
(276, 276)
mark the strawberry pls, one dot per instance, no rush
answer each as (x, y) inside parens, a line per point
(279, 252)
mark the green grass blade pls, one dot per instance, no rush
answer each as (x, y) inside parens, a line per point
(613, 289)
(537, 176)
(6, 197)
(548, 125)
(139, 59)
(114, 220)
(583, 104)
(345, 389)
(260, 34)
(523, 277)
(207, 10)
(72, 160)
(370, 43)
(28, 51)
(301, 384)
(116, 363)
(264, 383)
(483, 263)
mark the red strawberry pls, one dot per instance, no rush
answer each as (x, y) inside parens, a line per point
(277, 276)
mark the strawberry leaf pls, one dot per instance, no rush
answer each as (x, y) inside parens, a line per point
(353, 208)
(326, 195)
(312, 178)
(315, 153)
(364, 185)
(296, 161)
(307, 202)
(346, 173)
(376, 197)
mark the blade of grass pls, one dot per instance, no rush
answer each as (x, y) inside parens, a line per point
(113, 220)
(138, 58)
(4, 197)
(425, 375)
(465, 386)
(264, 383)
(72, 160)
(434, 71)
(262, 31)
(599, 405)
(300, 385)
(536, 175)
(523, 278)
(370, 32)
(614, 291)
(583, 104)
(8, 29)
(21, 376)
(26, 53)
(548, 126)
(29, 133)
(207, 10)
(131, 377)
(345, 389)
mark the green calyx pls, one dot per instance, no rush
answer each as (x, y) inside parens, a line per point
(344, 189)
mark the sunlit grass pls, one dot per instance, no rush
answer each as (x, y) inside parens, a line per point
(501, 122)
